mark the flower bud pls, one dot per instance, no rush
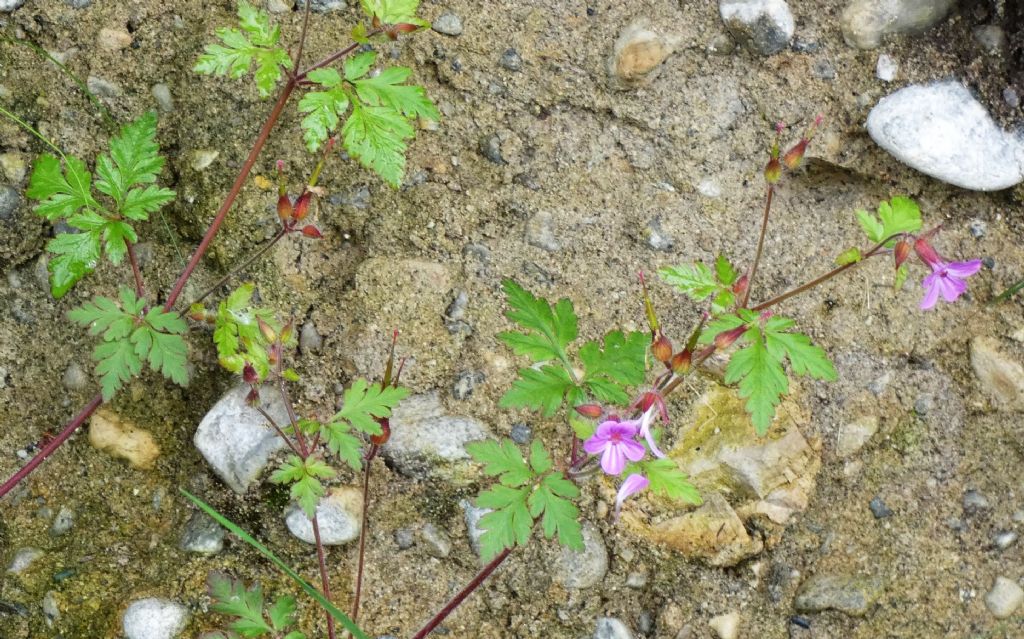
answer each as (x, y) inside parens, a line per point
(274, 353)
(740, 287)
(252, 398)
(593, 411)
(302, 206)
(312, 231)
(249, 375)
(648, 399)
(268, 333)
(725, 339)
(284, 207)
(681, 362)
(795, 156)
(901, 252)
(773, 171)
(287, 332)
(385, 432)
(927, 254)
(661, 348)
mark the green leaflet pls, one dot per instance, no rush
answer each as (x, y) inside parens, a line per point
(699, 282)
(256, 42)
(898, 215)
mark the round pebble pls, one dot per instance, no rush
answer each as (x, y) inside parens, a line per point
(1004, 598)
(448, 23)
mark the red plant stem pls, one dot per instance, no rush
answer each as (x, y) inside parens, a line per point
(323, 573)
(54, 444)
(461, 596)
(280, 432)
(222, 212)
(334, 57)
(140, 287)
(362, 531)
(760, 244)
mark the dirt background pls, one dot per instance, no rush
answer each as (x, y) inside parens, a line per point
(603, 164)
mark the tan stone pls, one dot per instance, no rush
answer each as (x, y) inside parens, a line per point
(113, 39)
(118, 437)
(1001, 378)
(637, 53)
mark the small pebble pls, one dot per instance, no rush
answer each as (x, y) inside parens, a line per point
(472, 516)
(324, 6)
(23, 558)
(63, 522)
(437, 543)
(1011, 97)
(202, 535)
(879, 509)
(1004, 598)
(9, 203)
(657, 239)
(466, 382)
(162, 93)
(309, 338)
(51, 607)
(924, 404)
(339, 518)
(528, 180)
(13, 166)
(103, 88)
(886, 68)
(540, 232)
(511, 60)
(154, 618)
(404, 538)
(823, 70)
(280, 6)
(490, 148)
(116, 436)
(726, 626)
(203, 158)
(991, 38)
(521, 433)
(636, 580)
(448, 23)
(113, 39)
(1004, 539)
(645, 622)
(974, 502)
(74, 377)
(978, 228)
(611, 628)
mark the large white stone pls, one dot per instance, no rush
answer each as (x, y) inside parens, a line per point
(154, 619)
(338, 516)
(943, 131)
(236, 440)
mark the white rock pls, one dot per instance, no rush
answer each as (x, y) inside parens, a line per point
(154, 619)
(1001, 378)
(6, 6)
(338, 516)
(853, 435)
(726, 626)
(886, 68)
(611, 628)
(1004, 598)
(942, 131)
(763, 26)
(236, 440)
(425, 441)
(864, 22)
(472, 515)
(23, 559)
(162, 94)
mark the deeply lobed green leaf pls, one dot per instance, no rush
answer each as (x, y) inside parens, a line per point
(257, 42)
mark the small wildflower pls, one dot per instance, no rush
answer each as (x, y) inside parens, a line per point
(946, 278)
(901, 252)
(614, 441)
(633, 484)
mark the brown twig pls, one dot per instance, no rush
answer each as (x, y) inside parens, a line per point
(325, 582)
(484, 573)
(362, 532)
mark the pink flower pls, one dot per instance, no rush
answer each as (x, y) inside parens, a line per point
(614, 441)
(646, 433)
(633, 484)
(946, 278)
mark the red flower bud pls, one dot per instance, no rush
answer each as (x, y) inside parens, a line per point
(681, 361)
(901, 252)
(252, 398)
(740, 287)
(311, 231)
(385, 432)
(592, 411)
(284, 207)
(302, 206)
(661, 348)
(404, 27)
(266, 329)
(795, 155)
(773, 171)
(927, 254)
(725, 339)
(249, 374)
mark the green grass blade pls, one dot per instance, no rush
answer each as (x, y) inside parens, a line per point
(274, 559)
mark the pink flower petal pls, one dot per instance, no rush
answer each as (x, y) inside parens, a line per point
(963, 269)
(595, 444)
(951, 288)
(931, 295)
(633, 484)
(633, 449)
(613, 461)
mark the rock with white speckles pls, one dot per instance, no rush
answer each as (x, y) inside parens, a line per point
(865, 22)
(338, 516)
(1004, 598)
(762, 26)
(154, 618)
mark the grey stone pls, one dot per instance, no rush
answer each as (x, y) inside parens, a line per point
(886, 68)
(448, 23)
(978, 228)
(202, 535)
(583, 569)
(540, 232)
(22, 559)
(472, 516)
(75, 378)
(657, 239)
(153, 618)
(511, 60)
(1004, 598)
(823, 70)
(427, 442)
(236, 440)
(991, 37)
(528, 180)
(7, 6)
(162, 94)
(636, 580)
(879, 509)
(1000, 377)
(436, 542)
(63, 522)
(103, 88)
(338, 516)
(280, 6)
(78, 4)
(1004, 539)
(974, 502)
(924, 404)
(51, 607)
(323, 6)
(465, 383)
(941, 130)
(404, 538)
(521, 433)
(865, 22)
(490, 148)
(850, 595)
(762, 26)
(309, 338)
(1011, 97)
(612, 628)
(9, 203)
